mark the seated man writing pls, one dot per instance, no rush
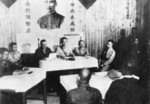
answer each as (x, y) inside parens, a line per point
(81, 50)
(63, 51)
(84, 94)
(107, 56)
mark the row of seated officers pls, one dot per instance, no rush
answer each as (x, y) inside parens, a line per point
(14, 57)
(64, 52)
(121, 91)
(10, 60)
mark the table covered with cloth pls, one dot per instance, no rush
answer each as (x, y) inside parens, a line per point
(60, 64)
(22, 82)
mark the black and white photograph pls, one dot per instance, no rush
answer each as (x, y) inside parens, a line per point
(74, 52)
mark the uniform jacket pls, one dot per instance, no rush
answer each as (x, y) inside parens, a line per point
(78, 52)
(84, 95)
(40, 54)
(51, 21)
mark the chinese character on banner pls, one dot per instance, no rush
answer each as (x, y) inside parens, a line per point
(27, 3)
(72, 4)
(72, 11)
(72, 18)
(28, 23)
(72, 29)
(27, 10)
(72, 23)
(28, 30)
(28, 16)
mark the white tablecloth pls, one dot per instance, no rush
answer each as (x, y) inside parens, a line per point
(24, 82)
(60, 64)
(99, 81)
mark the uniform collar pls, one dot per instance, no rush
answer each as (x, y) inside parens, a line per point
(83, 85)
(130, 76)
(50, 13)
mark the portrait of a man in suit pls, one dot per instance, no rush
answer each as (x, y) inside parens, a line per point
(52, 19)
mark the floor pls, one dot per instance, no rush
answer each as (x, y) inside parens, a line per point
(50, 100)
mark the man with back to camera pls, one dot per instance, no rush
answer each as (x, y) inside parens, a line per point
(84, 94)
(51, 20)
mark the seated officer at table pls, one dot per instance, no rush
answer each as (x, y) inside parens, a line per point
(6, 67)
(63, 51)
(14, 54)
(43, 51)
(81, 50)
(84, 94)
(107, 56)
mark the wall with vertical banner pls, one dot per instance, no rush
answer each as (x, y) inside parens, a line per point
(96, 21)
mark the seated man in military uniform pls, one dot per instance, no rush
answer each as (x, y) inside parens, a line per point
(63, 51)
(42, 52)
(52, 20)
(81, 50)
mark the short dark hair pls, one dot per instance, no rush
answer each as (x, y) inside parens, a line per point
(110, 40)
(84, 79)
(55, 2)
(43, 40)
(61, 40)
(11, 46)
(80, 42)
